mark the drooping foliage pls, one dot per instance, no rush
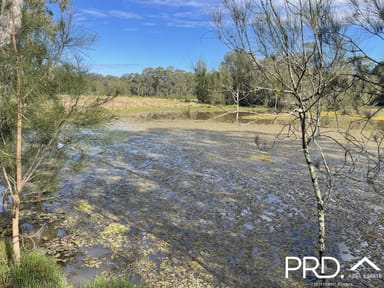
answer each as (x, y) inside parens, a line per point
(33, 111)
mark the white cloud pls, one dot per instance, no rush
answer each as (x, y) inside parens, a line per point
(124, 14)
(181, 3)
(171, 13)
(180, 19)
(93, 12)
(188, 23)
(149, 24)
(110, 13)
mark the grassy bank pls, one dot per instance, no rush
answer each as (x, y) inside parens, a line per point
(36, 270)
(123, 105)
(134, 105)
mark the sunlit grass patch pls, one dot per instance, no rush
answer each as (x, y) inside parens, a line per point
(85, 207)
(262, 157)
(115, 228)
(379, 116)
(212, 156)
(105, 282)
(269, 116)
(113, 236)
(136, 104)
(222, 193)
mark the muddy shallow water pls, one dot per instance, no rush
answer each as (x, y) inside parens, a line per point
(196, 204)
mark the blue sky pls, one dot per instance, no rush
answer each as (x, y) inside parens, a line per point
(136, 34)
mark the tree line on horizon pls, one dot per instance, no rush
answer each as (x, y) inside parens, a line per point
(217, 86)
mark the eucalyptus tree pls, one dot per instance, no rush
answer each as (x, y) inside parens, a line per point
(239, 65)
(35, 35)
(202, 82)
(305, 53)
(216, 87)
(183, 83)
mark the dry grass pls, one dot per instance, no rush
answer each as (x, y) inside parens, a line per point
(141, 103)
(265, 120)
(136, 104)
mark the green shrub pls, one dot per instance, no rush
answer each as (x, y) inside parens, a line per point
(92, 116)
(36, 270)
(104, 282)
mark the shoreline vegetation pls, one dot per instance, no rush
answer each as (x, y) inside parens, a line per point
(154, 108)
(37, 270)
(131, 106)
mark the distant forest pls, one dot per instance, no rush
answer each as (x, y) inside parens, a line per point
(235, 75)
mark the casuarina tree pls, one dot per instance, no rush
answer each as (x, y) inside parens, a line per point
(34, 38)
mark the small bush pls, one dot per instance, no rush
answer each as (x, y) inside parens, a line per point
(105, 282)
(36, 270)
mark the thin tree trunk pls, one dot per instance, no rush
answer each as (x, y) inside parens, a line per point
(15, 229)
(318, 118)
(320, 202)
(16, 16)
(316, 188)
(19, 181)
(237, 98)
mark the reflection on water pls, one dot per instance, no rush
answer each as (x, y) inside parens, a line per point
(76, 271)
(220, 116)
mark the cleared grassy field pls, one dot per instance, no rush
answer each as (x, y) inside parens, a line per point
(134, 104)
(127, 106)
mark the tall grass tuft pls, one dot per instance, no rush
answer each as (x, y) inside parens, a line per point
(4, 263)
(36, 270)
(105, 282)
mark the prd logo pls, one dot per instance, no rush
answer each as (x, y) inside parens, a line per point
(312, 264)
(363, 261)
